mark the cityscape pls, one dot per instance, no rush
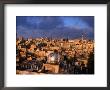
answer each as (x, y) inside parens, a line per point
(54, 45)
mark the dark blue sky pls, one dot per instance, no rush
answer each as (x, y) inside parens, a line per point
(55, 26)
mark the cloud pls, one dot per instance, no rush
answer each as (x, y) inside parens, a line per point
(45, 26)
(89, 20)
(79, 21)
(39, 22)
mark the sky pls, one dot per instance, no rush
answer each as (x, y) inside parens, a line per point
(55, 26)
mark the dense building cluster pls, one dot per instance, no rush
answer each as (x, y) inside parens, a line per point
(71, 56)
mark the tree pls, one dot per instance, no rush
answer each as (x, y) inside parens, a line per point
(91, 63)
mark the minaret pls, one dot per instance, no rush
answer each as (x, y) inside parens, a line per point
(82, 37)
(82, 43)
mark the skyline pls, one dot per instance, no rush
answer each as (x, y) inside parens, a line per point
(55, 26)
